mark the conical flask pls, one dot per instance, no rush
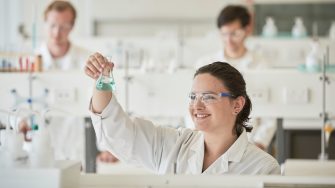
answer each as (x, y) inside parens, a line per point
(106, 81)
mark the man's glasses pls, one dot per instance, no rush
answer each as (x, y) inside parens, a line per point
(62, 27)
(208, 98)
(236, 35)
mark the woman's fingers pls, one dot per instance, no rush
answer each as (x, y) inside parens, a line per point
(100, 59)
(95, 64)
(90, 73)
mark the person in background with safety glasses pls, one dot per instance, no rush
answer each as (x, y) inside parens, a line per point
(58, 52)
(234, 24)
(234, 27)
(219, 107)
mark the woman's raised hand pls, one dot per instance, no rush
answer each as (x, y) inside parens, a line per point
(95, 64)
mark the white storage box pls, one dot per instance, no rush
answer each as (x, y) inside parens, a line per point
(64, 174)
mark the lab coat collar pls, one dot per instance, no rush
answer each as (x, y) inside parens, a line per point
(199, 143)
(236, 151)
(195, 162)
(233, 154)
(50, 63)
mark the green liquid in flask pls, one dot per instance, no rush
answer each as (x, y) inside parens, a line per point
(105, 83)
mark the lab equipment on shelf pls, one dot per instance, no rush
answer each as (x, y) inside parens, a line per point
(332, 31)
(313, 59)
(298, 29)
(40, 154)
(20, 62)
(303, 68)
(11, 148)
(14, 152)
(269, 29)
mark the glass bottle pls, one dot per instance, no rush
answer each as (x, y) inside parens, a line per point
(313, 59)
(332, 31)
(269, 29)
(299, 30)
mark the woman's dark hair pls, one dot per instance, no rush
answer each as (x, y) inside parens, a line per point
(234, 82)
(231, 13)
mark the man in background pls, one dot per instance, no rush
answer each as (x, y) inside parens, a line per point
(234, 24)
(59, 53)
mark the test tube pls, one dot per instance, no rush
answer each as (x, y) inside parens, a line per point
(27, 64)
(20, 64)
(3, 64)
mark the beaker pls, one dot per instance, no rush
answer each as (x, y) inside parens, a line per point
(106, 81)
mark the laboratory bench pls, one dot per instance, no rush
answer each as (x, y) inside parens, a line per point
(298, 173)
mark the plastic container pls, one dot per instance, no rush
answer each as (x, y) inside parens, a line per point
(332, 31)
(313, 60)
(298, 29)
(269, 29)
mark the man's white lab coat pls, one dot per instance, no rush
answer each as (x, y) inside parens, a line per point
(67, 133)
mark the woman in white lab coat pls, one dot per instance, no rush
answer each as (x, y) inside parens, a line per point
(219, 106)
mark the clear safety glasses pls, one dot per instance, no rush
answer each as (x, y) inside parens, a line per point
(236, 35)
(65, 27)
(208, 98)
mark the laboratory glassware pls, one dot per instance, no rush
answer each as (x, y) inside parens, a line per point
(269, 29)
(299, 29)
(106, 80)
(332, 31)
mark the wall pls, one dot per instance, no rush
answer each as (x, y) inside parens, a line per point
(9, 31)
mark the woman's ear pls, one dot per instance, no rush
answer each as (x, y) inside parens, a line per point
(239, 103)
(248, 30)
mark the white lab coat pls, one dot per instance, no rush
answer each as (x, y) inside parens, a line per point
(67, 137)
(264, 131)
(74, 59)
(249, 60)
(67, 133)
(167, 150)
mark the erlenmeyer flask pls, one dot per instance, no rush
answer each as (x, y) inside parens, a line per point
(106, 81)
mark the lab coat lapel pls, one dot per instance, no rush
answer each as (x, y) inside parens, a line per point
(220, 166)
(236, 151)
(233, 154)
(196, 159)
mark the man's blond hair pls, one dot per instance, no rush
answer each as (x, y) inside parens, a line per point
(61, 6)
